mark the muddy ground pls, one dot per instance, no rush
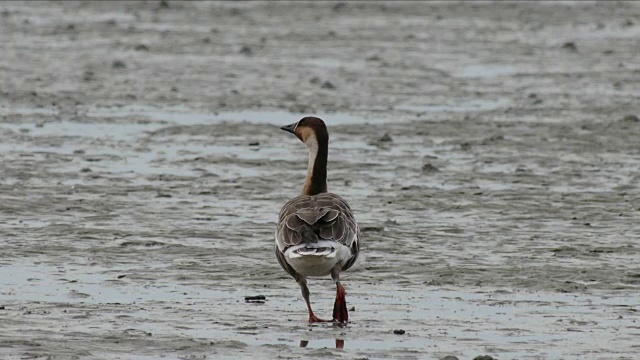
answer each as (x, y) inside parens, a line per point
(490, 151)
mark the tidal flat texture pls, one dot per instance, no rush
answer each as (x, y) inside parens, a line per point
(490, 152)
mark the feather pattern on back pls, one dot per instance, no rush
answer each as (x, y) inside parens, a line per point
(309, 219)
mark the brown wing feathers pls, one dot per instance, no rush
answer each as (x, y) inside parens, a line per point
(326, 215)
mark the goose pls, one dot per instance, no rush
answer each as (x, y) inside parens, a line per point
(317, 234)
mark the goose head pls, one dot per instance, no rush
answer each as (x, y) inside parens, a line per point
(310, 130)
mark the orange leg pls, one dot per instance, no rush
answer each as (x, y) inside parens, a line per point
(340, 312)
(305, 294)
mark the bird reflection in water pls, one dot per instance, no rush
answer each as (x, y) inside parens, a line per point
(339, 343)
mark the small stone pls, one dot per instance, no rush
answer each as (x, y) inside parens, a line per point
(339, 6)
(88, 76)
(254, 144)
(2, 307)
(353, 308)
(256, 299)
(118, 64)
(399, 332)
(328, 85)
(450, 357)
(246, 50)
(85, 170)
(483, 357)
(570, 45)
(428, 168)
(141, 47)
(121, 276)
(630, 118)
(385, 138)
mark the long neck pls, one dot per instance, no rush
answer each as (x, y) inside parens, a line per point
(316, 181)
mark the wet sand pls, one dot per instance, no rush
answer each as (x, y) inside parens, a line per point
(490, 152)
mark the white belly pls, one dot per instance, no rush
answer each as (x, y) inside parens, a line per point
(318, 265)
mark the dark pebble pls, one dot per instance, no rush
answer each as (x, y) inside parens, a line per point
(328, 85)
(399, 332)
(428, 168)
(630, 118)
(121, 276)
(85, 170)
(339, 6)
(450, 357)
(570, 45)
(245, 50)
(372, 228)
(386, 138)
(88, 76)
(1, 307)
(255, 298)
(254, 144)
(483, 357)
(118, 64)
(141, 47)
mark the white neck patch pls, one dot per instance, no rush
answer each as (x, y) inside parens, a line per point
(312, 145)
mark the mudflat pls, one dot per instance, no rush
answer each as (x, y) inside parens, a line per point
(490, 152)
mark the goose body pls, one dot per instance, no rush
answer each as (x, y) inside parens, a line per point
(317, 234)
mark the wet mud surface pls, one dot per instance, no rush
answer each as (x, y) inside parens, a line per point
(490, 153)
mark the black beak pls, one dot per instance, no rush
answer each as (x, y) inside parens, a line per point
(290, 128)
